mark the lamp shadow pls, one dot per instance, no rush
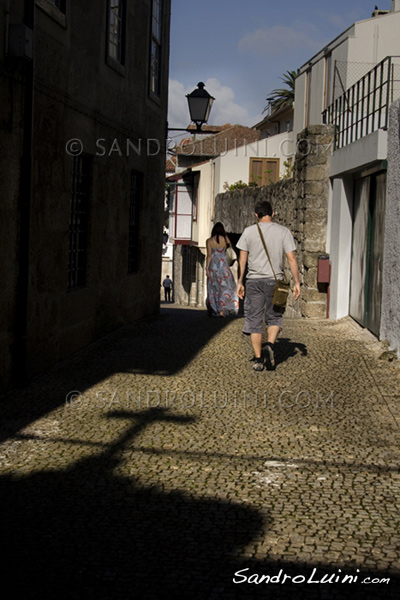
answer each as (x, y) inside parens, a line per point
(88, 532)
(91, 532)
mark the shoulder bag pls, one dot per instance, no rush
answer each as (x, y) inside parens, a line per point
(282, 287)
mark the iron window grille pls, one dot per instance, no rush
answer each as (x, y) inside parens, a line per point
(364, 107)
(155, 51)
(116, 30)
(135, 200)
(78, 224)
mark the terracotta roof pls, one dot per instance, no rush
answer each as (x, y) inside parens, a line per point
(232, 137)
(216, 128)
(171, 165)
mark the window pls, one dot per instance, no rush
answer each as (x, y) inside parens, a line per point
(195, 200)
(78, 224)
(116, 30)
(134, 212)
(264, 171)
(155, 51)
(54, 9)
(60, 4)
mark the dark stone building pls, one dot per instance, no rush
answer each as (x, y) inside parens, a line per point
(83, 118)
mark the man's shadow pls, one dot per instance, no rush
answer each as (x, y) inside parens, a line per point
(284, 349)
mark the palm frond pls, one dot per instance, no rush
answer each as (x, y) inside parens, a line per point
(283, 97)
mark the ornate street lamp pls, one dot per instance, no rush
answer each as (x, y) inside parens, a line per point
(200, 103)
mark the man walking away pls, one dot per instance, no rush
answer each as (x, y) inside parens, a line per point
(167, 283)
(260, 281)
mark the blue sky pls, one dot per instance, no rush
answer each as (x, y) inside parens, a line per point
(240, 48)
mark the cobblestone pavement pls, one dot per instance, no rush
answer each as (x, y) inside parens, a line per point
(157, 464)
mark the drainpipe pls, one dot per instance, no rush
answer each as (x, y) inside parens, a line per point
(20, 370)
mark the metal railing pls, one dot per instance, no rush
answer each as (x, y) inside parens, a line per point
(364, 107)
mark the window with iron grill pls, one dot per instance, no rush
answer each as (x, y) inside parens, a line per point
(78, 224)
(134, 213)
(155, 52)
(116, 30)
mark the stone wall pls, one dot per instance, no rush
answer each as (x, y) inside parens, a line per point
(301, 204)
(80, 94)
(189, 275)
(390, 316)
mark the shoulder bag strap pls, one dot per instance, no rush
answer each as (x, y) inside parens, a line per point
(266, 250)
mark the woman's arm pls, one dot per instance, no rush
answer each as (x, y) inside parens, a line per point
(209, 249)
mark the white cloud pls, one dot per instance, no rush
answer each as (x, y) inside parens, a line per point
(224, 109)
(343, 20)
(278, 41)
(178, 113)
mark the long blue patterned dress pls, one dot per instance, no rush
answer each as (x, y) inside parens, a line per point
(221, 286)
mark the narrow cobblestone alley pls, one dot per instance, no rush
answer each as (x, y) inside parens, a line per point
(157, 464)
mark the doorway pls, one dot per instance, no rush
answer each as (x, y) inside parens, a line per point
(367, 250)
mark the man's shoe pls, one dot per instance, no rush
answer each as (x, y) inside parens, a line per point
(258, 364)
(269, 358)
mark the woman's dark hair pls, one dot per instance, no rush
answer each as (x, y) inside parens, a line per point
(218, 230)
(263, 208)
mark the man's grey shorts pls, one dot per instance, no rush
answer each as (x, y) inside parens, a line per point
(257, 302)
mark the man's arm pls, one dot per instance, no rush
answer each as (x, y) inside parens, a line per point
(295, 272)
(242, 267)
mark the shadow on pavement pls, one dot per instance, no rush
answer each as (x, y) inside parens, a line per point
(284, 348)
(160, 345)
(87, 532)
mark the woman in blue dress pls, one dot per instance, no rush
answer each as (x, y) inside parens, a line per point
(222, 298)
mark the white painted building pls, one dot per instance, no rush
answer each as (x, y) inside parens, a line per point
(342, 62)
(355, 79)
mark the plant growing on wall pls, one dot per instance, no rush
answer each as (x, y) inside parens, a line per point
(288, 170)
(238, 185)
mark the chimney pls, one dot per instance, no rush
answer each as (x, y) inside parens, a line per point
(395, 6)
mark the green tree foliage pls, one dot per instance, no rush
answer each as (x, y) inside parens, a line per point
(283, 97)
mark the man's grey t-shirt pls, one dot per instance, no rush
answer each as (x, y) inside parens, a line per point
(279, 241)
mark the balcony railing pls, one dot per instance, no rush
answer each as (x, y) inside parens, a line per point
(364, 107)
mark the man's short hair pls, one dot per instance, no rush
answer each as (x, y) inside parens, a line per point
(263, 208)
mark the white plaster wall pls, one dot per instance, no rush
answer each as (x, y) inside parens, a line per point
(317, 92)
(201, 228)
(344, 162)
(235, 164)
(299, 104)
(376, 38)
(359, 154)
(340, 233)
(367, 42)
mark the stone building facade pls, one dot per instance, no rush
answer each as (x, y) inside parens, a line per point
(84, 108)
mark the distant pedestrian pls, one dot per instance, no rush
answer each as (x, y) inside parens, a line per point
(222, 299)
(167, 284)
(260, 280)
